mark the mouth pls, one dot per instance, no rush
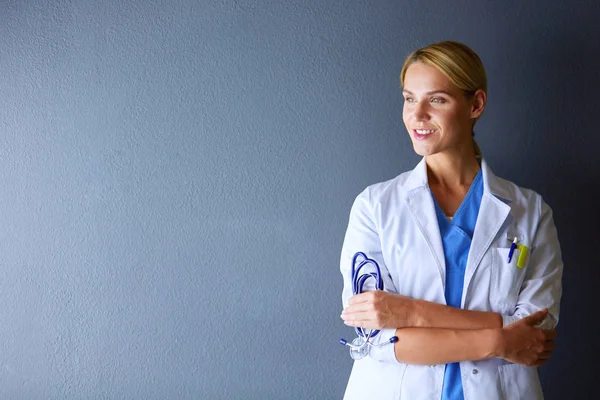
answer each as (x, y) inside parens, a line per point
(422, 134)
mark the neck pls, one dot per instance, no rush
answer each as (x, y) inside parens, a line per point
(452, 169)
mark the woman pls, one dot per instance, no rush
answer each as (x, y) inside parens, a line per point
(473, 317)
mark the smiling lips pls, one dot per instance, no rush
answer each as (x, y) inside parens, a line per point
(421, 134)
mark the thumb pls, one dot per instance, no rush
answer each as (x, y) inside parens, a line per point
(537, 317)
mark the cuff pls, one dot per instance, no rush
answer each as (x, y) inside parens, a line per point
(386, 352)
(509, 319)
(548, 323)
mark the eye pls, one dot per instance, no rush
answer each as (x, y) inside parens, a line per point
(438, 100)
(409, 99)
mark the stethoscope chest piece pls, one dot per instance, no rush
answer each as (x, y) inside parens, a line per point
(359, 349)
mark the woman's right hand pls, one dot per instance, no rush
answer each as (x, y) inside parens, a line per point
(522, 343)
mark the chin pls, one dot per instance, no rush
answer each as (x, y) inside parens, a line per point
(423, 151)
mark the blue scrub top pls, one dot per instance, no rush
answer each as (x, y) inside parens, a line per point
(456, 239)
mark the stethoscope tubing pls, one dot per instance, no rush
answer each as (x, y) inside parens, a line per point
(359, 346)
(358, 282)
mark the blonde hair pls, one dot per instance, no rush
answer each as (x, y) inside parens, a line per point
(458, 62)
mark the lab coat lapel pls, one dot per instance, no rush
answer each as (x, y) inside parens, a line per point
(420, 203)
(493, 212)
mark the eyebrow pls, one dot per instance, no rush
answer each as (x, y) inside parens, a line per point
(429, 93)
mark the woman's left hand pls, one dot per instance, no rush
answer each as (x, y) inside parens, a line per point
(379, 310)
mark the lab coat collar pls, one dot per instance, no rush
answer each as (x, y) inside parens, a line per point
(491, 183)
(493, 211)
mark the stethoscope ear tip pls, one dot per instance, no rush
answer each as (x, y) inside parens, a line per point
(343, 342)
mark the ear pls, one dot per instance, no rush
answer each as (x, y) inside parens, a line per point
(478, 103)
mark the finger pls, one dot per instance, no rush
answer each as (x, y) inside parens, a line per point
(544, 355)
(362, 324)
(358, 298)
(536, 317)
(351, 323)
(357, 308)
(549, 345)
(550, 334)
(359, 318)
(539, 363)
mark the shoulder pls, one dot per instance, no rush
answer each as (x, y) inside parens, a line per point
(517, 192)
(390, 194)
(511, 193)
(526, 205)
(391, 189)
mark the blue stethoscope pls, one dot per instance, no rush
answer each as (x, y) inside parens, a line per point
(360, 346)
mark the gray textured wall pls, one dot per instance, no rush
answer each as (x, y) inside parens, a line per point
(176, 177)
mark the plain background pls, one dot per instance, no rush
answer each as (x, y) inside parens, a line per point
(176, 178)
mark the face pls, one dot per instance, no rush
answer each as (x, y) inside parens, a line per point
(437, 114)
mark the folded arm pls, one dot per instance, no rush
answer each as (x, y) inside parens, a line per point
(432, 333)
(431, 346)
(391, 310)
(520, 343)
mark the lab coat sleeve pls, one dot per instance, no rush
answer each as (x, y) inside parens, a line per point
(363, 235)
(542, 286)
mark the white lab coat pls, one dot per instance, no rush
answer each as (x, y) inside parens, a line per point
(395, 223)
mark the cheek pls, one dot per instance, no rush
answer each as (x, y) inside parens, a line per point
(450, 117)
(457, 116)
(405, 115)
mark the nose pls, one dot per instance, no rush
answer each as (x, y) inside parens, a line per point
(421, 111)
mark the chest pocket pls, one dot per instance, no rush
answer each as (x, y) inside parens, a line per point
(506, 280)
